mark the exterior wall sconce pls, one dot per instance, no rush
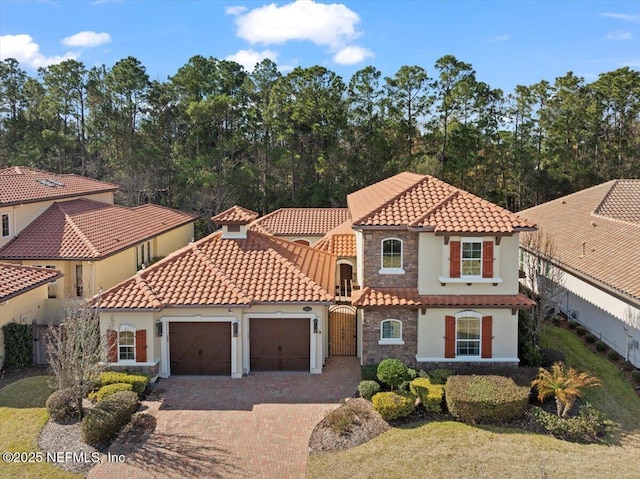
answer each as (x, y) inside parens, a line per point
(315, 325)
(159, 330)
(235, 329)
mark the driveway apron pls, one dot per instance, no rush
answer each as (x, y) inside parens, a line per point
(216, 427)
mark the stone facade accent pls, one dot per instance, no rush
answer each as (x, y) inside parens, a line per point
(372, 352)
(151, 371)
(373, 257)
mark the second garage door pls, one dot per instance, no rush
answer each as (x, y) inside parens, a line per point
(279, 344)
(200, 348)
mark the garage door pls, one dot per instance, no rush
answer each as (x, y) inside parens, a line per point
(200, 348)
(279, 344)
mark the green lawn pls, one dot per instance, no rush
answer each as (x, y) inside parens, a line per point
(451, 449)
(22, 416)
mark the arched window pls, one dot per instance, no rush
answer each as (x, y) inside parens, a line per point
(127, 343)
(468, 333)
(391, 258)
(391, 332)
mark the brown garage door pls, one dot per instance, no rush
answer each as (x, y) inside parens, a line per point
(279, 344)
(200, 348)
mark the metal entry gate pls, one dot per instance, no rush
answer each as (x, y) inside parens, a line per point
(342, 331)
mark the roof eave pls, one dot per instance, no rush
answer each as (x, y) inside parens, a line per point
(53, 198)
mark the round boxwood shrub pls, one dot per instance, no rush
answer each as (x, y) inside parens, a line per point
(601, 346)
(627, 366)
(104, 421)
(392, 372)
(573, 325)
(614, 356)
(368, 388)
(485, 399)
(108, 390)
(62, 405)
(392, 406)
(552, 356)
(580, 331)
(635, 375)
(590, 338)
(430, 395)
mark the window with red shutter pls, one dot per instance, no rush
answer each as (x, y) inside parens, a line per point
(487, 259)
(141, 345)
(454, 259)
(112, 346)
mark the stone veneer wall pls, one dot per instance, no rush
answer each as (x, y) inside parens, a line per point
(373, 353)
(373, 254)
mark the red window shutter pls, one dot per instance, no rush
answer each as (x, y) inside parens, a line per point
(112, 345)
(454, 259)
(449, 337)
(141, 346)
(487, 259)
(487, 336)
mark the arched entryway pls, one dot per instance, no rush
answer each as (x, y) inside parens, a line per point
(345, 278)
(342, 331)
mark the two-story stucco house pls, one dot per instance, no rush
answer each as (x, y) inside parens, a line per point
(432, 278)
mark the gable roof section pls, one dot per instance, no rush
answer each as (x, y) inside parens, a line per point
(87, 229)
(17, 279)
(340, 241)
(223, 272)
(20, 185)
(416, 201)
(301, 221)
(604, 218)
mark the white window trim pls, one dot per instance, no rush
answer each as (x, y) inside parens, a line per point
(382, 340)
(128, 328)
(470, 240)
(8, 215)
(469, 315)
(384, 270)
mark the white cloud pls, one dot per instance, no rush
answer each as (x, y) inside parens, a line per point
(499, 38)
(622, 16)
(249, 58)
(26, 51)
(86, 39)
(235, 10)
(331, 25)
(619, 35)
(352, 54)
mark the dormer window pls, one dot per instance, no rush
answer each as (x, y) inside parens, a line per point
(391, 257)
(233, 228)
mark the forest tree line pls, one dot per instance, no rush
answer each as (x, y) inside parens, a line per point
(214, 135)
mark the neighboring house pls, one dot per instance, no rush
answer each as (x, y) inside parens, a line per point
(23, 291)
(434, 279)
(597, 236)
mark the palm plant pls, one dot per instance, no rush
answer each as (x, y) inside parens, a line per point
(565, 384)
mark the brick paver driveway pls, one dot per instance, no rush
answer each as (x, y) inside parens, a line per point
(210, 427)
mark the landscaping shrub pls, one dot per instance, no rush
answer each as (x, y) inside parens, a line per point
(430, 395)
(369, 372)
(551, 356)
(635, 375)
(439, 376)
(104, 421)
(18, 345)
(614, 356)
(108, 390)
(573, 325)
(392, 372)
(138, 382)
(590, 338)
(62, 405)
(627, 366)
(368, 388)
(581, 331)
(343, 419)
(601, 346)
(477, 399)
(393, 406)
(589, 426)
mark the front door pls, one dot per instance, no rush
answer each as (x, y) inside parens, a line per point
(346, 278)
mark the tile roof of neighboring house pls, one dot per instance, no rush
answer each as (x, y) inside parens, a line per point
(16, 279)
(236, 215)
(409, 297)
(340, 241)
(87, 229)
(221, 272)
(301, 221)
(604, 218)
(408, 200)
(20, 185)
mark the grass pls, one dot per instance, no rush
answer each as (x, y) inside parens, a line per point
(22, 416)
(452, 449)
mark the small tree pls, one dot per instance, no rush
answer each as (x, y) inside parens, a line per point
(543, 280)
(77, 353)
(392, 372)
(564, 384)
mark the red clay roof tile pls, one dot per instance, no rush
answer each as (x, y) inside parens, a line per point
(236, 215)
(17, 279)
(301, 221)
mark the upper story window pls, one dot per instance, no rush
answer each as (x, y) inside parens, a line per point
(391, 260)
(6, 230)
(126, 344)
(471, 258)
(391, 332)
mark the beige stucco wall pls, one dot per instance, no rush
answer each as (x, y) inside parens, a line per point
(172, 240)
(433, 257)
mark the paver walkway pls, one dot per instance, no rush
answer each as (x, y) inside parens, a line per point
(214, 427)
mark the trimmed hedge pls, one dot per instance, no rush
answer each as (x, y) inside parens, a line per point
(369, 372)
(430, 395)
(480, 399)
(601, 346)
(589, 426)
(614, 356)
(104, 421)
(590, 338)
(552, 356)
(368, 388)
(581, 331)
(62, 405)
(439, 376)
(392, 372)
(18, 345)
(393, 406)
(108, 390)
(138, 382)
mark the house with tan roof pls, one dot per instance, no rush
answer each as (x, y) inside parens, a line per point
(434, 281)
(597, 232)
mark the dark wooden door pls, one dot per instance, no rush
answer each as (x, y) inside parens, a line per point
(346, 277)
(279, 344)
(200, 348)
(342, 331)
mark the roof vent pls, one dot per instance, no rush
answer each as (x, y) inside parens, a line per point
(593, 223)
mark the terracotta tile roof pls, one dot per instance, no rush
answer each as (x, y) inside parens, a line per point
(408, 200)
(340, 241)
(301, 221)
(86, 229)
(222, 272)
(27, 185)
(236, 215)
(611, 236)
(16, 279)
(409, 297)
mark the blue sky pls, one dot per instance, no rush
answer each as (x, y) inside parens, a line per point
(507, 42)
